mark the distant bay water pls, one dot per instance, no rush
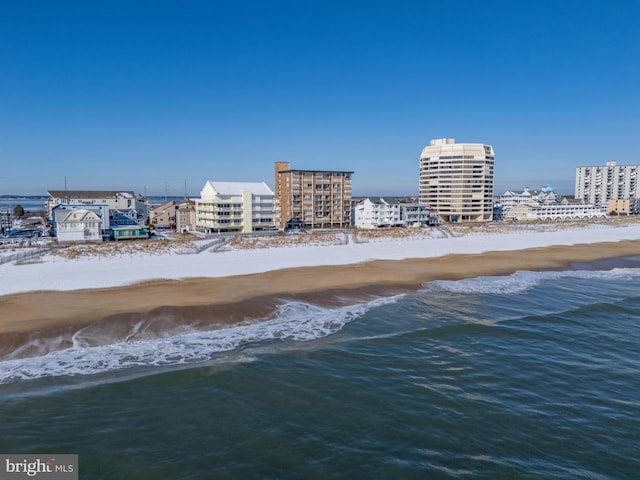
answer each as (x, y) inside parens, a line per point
(534, 375)
(32, 204)
(29, 204)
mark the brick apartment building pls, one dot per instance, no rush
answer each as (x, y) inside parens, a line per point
(312, 198)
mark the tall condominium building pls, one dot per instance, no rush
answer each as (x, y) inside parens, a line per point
(456, 179)
(598, 185)
(312, 198)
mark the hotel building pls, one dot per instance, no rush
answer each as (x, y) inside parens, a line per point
(456, 179)
(234, 207)
(312, 198)
(538, 211)
(598, 185)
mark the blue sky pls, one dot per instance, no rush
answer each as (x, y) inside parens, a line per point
(145, 94)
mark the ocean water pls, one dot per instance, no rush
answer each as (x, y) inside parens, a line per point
(534, 375)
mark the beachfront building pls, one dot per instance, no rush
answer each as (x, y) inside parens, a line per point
(120, 218)
(186, 216)
(129, 232)
(115, 200)
(384, 212)
(163, 215)
(378, 213)
(78, 225)
(598, 185)
(114, 208)
(234, 207)
(511, 198)
(312, 198)
(63, 231)
(175, 215)
(415, 214)
(456, 179)
(624, 207)
(564, 211)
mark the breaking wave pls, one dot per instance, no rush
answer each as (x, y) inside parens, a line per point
(523, 281)
(293, 321)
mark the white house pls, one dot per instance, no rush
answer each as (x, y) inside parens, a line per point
(61, 214)
(414, 214)
(390, 212)
(235, 207)
(378, 212)
(79, 225)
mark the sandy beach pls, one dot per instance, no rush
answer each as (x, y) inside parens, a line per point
(240, 298)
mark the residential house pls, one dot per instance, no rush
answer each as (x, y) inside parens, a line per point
(186, 216)
(391, 212)
(77, 225)
(130, 232)
(115, 200)
(417, 214)
(118, 218)
(377, 213)
(164, 215)
(114, 208)
(60, 213)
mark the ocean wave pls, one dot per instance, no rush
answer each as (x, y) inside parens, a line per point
(523, 281)
(293, 321)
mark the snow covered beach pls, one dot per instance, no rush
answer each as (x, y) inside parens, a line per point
(167, 288)
(57, 273)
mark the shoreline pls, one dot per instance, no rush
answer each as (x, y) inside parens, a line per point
(222, 301)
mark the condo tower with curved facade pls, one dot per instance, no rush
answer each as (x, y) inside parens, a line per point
(456, 179)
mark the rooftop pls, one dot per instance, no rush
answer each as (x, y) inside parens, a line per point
(236, 188)
(91, 193)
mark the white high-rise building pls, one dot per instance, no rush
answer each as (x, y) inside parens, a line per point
(456, 179)
(598, 185)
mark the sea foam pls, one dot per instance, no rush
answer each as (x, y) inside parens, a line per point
(523, 281)
(293, 321)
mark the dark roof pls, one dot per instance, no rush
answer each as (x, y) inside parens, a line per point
(88, 193)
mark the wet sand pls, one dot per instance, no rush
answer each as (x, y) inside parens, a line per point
(216, 302)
